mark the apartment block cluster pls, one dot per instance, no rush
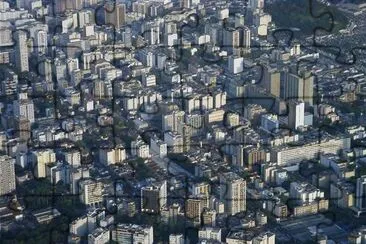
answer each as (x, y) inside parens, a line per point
(176, 115)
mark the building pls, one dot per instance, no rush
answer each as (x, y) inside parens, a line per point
(99, 236)
(140, 149)
(22, 128)
(45, 216)
(233, 193)
(285, 155)
(21, 56)
(296, 114)
(91, 192)
(209, 234)
(174, 142)
(209, 217)
(357, 236)
(174, 213)
(304, 193)
(176, 239)
(115, 14)
(311, 207)
(298, 88)
(236, 237)
(214, 116)
(9, 82)
(40, 159)
(253, 156)
(236, 64)
(361, 193)
(252, 112)
(158, 147)
(272, 80)
(269, 122)
(202, 188)
(342, 194)
(171, 121)
(72, 157)
(232, 119)
(7, 172)
(110, 156)
(79, 226)
(57, 172)
(154, 197)
(132, 234)
(24, 107)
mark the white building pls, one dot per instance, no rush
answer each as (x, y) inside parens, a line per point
(176, 239)
(22, 62)
(209, 234)
(133, 234)
(296, 114)
(40, 159)
(99, 236)
(24, 107)
(140, 149)
(304, 192)
(236, 64)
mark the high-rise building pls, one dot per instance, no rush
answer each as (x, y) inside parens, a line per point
(185, 3)
(7, 173)
(154, 197)
(246, 39)
(256, 4)
(239, 20)
(140, 149)
(296, 114)
(186, 132)
(24, 107)
(209, 217)
(132, 234)
(115, 14)
(233, 193)
(40, 159)
(272, 80)
(109, 156)
(298, 87)
(236, 64)
(72, 157)
(361, 193)
(90, 192)
(253, 155)
(269, 122)
(194, 209)
(6, 34)
(241, 236)
(41, 41)
(231, 38)
(152, 33)
(22, 62)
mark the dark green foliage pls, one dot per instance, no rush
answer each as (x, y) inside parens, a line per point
(296, 14)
